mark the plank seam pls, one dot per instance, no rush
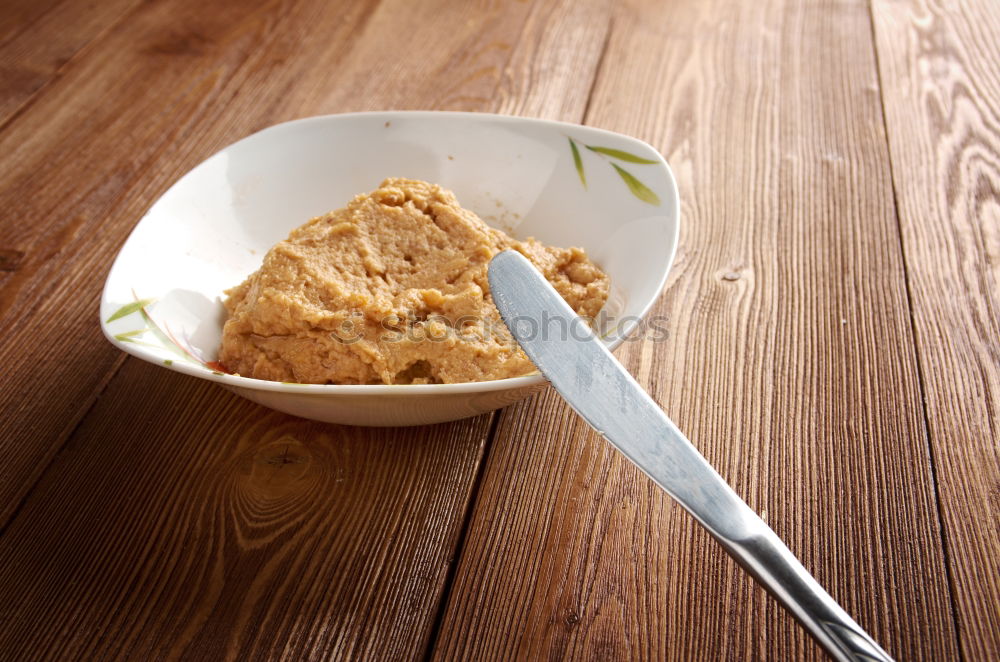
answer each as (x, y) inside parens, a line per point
(446, 592)
(921, 376)
(470, 509)
(61, 446)
(598, 68)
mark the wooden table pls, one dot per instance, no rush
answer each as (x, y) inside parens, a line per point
(834, 321)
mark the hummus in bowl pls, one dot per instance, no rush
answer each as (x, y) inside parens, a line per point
(563, 185)
(391, 289)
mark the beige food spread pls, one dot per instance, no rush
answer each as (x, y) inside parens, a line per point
(391, 289)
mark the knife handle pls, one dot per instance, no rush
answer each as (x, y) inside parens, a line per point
(765, 556)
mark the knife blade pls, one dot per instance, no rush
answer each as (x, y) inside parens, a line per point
(585, 373)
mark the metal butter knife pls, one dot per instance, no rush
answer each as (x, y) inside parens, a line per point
(600, 390)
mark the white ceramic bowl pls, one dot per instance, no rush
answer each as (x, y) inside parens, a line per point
(162, 299)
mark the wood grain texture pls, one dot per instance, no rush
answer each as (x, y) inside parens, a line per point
(192, 524)
(19, 14)
(145, 515)
(941, 89)
(183, 522)
(561, 40)
(790, 363)
(99, 145)
(37, 47)
(145, 105)
(478, 38)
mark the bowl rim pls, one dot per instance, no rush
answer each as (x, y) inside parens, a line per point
(524, 381)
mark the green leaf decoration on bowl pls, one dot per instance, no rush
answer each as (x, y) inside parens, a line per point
(578, 162)
(130, 336)
(621, 155)
(163, 338)
(128, 309)
(638, 189)
(635, 186)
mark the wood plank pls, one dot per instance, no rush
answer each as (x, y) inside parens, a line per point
(167, 530)
(19, 14)
(40, 46)
(942, 101)
(561, 39)
(158, 94)
(175, 525)
(789, 362)
(98, 146)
